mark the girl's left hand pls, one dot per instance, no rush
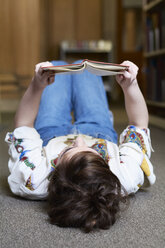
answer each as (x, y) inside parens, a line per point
(129, 76)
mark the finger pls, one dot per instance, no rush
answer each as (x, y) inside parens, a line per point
(49, 74)
(38, 67)
(132, 68)
(127, 74)
(44, 77)
(51, 79)
(119, 78)
(44, 64)
(48, 77)
(46, 72)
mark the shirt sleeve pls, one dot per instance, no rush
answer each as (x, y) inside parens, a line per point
(134, 154)
(27, 164)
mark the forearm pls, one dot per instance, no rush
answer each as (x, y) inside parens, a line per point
(135, 106)
(28, 107)
(134, 101)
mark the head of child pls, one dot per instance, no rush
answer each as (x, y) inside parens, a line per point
(83, 192)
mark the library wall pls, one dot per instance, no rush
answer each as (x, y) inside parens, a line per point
(73, 20)
(19, 44)
(88, 19)
(61, 24)
(25, 35)
(109, 27)
(6, 58)
(32, 31)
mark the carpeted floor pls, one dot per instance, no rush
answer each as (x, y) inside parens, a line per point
(24, 224)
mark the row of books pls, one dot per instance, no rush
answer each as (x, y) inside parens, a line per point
(104, 45)
(155, 30)
(156, 79)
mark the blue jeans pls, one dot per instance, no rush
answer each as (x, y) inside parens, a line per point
(84, 94)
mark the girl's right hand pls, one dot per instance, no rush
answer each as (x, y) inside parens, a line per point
(42, 78)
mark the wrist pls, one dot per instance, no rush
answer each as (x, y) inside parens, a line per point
(130, 87)
(36, 86)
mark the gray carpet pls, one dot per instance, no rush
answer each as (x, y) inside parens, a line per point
(25, 224)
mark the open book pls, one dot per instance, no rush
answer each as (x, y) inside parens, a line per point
(95, 67)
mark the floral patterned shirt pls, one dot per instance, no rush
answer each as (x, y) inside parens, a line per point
(30, 164)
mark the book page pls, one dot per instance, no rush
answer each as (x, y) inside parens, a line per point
(102, 72)
(65, 68)
(105, 66)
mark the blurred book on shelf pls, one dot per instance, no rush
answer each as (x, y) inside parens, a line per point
(155, 30)
(156, 80)
(97, 45)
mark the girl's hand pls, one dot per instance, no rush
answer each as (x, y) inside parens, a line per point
(128, 78)
(41, 78)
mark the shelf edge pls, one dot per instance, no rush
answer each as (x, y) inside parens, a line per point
(151, 5)
(157, 121)
(154, 53)
(156, 104)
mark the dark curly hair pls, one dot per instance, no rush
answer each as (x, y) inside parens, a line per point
(84, 193)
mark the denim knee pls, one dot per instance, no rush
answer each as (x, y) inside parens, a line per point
(58, 62)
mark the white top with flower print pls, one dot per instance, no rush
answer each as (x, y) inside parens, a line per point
(30, 164)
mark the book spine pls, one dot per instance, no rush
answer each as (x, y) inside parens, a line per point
(162, 21)
(163, 81)
(155, 31)
(149, 35)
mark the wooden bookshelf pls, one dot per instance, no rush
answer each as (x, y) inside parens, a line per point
(154, 56)
(151, 5)
(155, 53)
(129, 35)
(156, 104)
